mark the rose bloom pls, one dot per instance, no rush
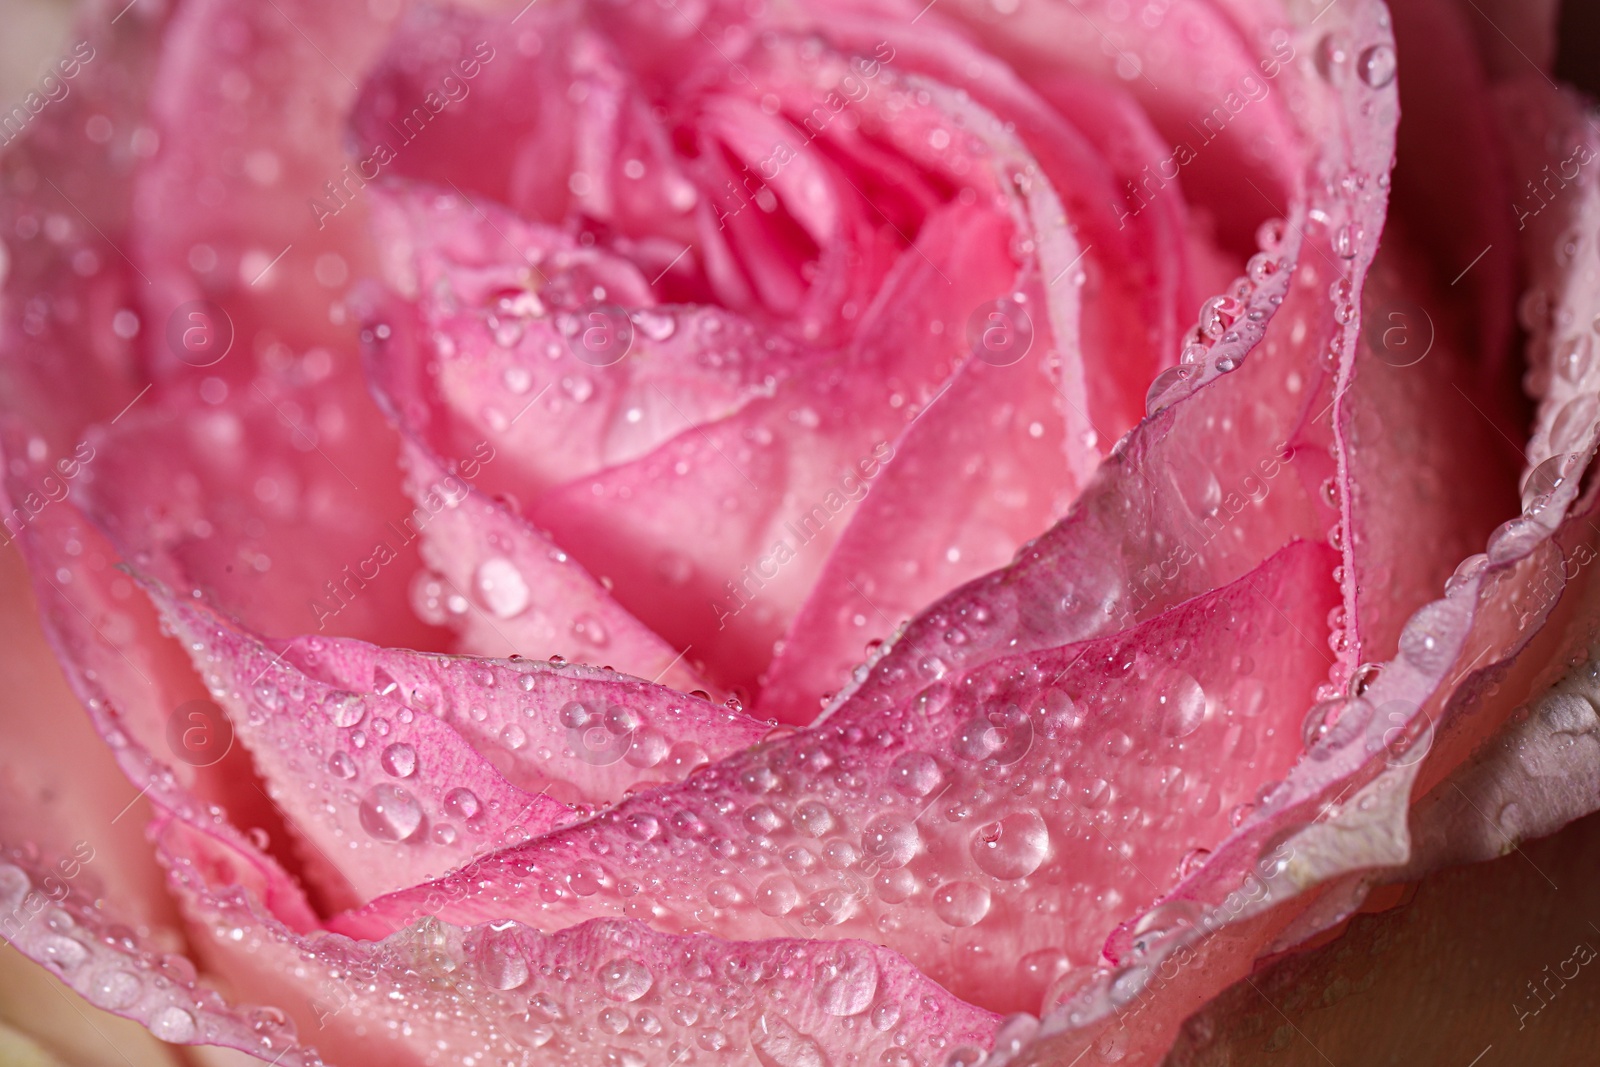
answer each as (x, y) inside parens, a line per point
(633, 533)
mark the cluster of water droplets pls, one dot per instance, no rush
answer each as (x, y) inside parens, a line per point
(114, 969)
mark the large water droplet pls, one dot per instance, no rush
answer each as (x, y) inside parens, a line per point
(1547, 477)
(1424, 641)
(1376, 65)
(1013, 847)
(345, 709)
(1181, 705)
(340, 765)
(890, 843)
(389, 813)
(777, 895)
(114, 990)
(399, 759)
(1515, 538)
(14, 886)
(625, 980)
(461, 804)
(65, 952)
(501, 587)
(850, 991)
(173, 1025)
(502, 961)
(915, 773)
(961, 903)
(777, 1044)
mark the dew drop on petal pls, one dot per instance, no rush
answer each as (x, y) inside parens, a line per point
(851, 989)
(462, 804)
(114, 990)
(400, 760)
(1012, 847)
(915, 774)
(345, 709)
(340, 765)
(389, 813)
(501, 587)
(625, 979)
(1376, 66)
(173, 1025)
(961, 903)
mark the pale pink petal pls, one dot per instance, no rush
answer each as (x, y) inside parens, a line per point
(938, 826)
(247, 111)
(386, 795)
(726, 526)
(527, 596)
(602, 993)
(581, 735)
(170, 741)
(85, 940)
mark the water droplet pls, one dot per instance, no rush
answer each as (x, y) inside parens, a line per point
(850, 991)
(65, 952)
(1515, 538)
(1547, 477)
(1015, 1032)
(1192, 861)
(625, 980)
(345, 709)
(501, 587)
(915, 773)
(461, 804)
(1012, 847)
(1181, 705)
(1332, 724)
(813, 818)
(961, 903)
(777, 895)
(14, 886)
(173, 1025)
(1423, 641)
(114, 990)
(389, 813)
(1168, 387)
(501, 960)
(590, 629)
(1041, 968)
(1376, 65)
(777, 1044)
(400, 760)
(890, 843)
(1573, 424)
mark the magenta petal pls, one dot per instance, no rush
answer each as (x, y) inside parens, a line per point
(932, 825)
(602, 993)
(387, 796)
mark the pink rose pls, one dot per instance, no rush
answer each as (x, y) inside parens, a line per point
(459, 453)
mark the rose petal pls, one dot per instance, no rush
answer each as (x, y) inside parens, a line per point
(246, 108)
(600, 993)
(88, 945)
(580, 735)
(1433, 706)
(936, 824)
(514, 301)
(274, 519)
(387, 796)
(1490, 955)
(171, 743)
(528, 597)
